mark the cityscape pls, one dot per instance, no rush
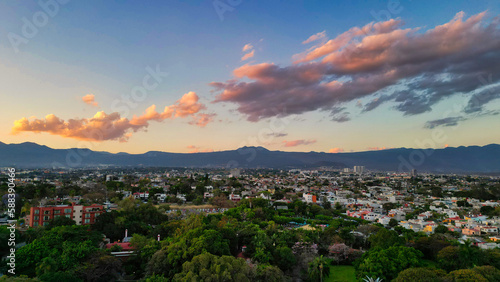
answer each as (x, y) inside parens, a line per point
(233, 140)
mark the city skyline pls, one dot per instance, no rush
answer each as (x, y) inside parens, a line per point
(200, 76)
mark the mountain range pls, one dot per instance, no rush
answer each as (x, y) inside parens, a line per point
(481, 159)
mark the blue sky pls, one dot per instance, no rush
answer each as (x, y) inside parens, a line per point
(103, 48)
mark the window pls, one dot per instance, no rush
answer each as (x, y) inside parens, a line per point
(46, 217)
(67, 210)
(68, 216)
(45, 223)
(37, 211)
(35, 223)
(46, 212)
(87, 220)
(37, 217)
(57, 216)
(87, 215)
(57, 212)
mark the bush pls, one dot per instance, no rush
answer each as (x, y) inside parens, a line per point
(420, 274)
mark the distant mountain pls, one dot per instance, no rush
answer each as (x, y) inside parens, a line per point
(459, 160)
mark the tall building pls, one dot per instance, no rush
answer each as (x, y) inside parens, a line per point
(82, 215)
(235, 172)
(359, 169)
(413, 172)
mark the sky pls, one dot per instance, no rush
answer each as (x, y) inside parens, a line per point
(212, 75)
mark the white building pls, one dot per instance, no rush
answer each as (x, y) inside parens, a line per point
(359, 169)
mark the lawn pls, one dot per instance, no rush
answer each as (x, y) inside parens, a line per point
(341, 273)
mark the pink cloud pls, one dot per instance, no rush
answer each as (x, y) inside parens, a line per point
(379, 148)
(336, 150)
(248, 55)
(315, 37)
(407, 64)
(247, 47)
(300, 142)
(202, 120)
(89, 99)
(195, 149)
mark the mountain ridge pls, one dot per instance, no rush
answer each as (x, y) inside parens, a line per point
(460, 159)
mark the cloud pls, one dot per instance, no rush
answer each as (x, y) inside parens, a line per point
(412, 68)
(336, 150)
(300, 142)
(102, 126)
(373, 104)
(377, 148)
(202, 120)
(247, 47)
(89, 99)
(248, 55)
(481, 98)
(315, 37)
(277, 134)
(449, 121)
(195, 149)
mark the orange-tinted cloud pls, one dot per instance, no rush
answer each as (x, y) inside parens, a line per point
(300, 142)
(112, 126)
(195, 149)
(188, 105)
(247, 47)
(315, 37)
(202, 120)
(336, 150)
(98, 128)
(378, 148)
(90, 100)
(248, 55)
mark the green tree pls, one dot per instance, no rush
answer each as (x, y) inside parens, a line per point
(67, 246)
(393, 222)
(268, 273)
(385, 238)
(60, 221)
(448, 258)
(489, 272)
(487, 210)
(464, 275)
(208, 267)
(387, 263)
(420, 274)
(441, 229)
(284, 258)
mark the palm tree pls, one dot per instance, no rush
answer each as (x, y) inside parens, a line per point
(319, 267)
(370, 279)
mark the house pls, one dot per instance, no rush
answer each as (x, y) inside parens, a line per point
(234, 197)
(470, 231)
(143, 196)
(488, 246)
(384, 220)
(429, 228)
(309, 198)
(489, 230)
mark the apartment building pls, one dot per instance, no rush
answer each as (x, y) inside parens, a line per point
(82, 215)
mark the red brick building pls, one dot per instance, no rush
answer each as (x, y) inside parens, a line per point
(82, 215)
